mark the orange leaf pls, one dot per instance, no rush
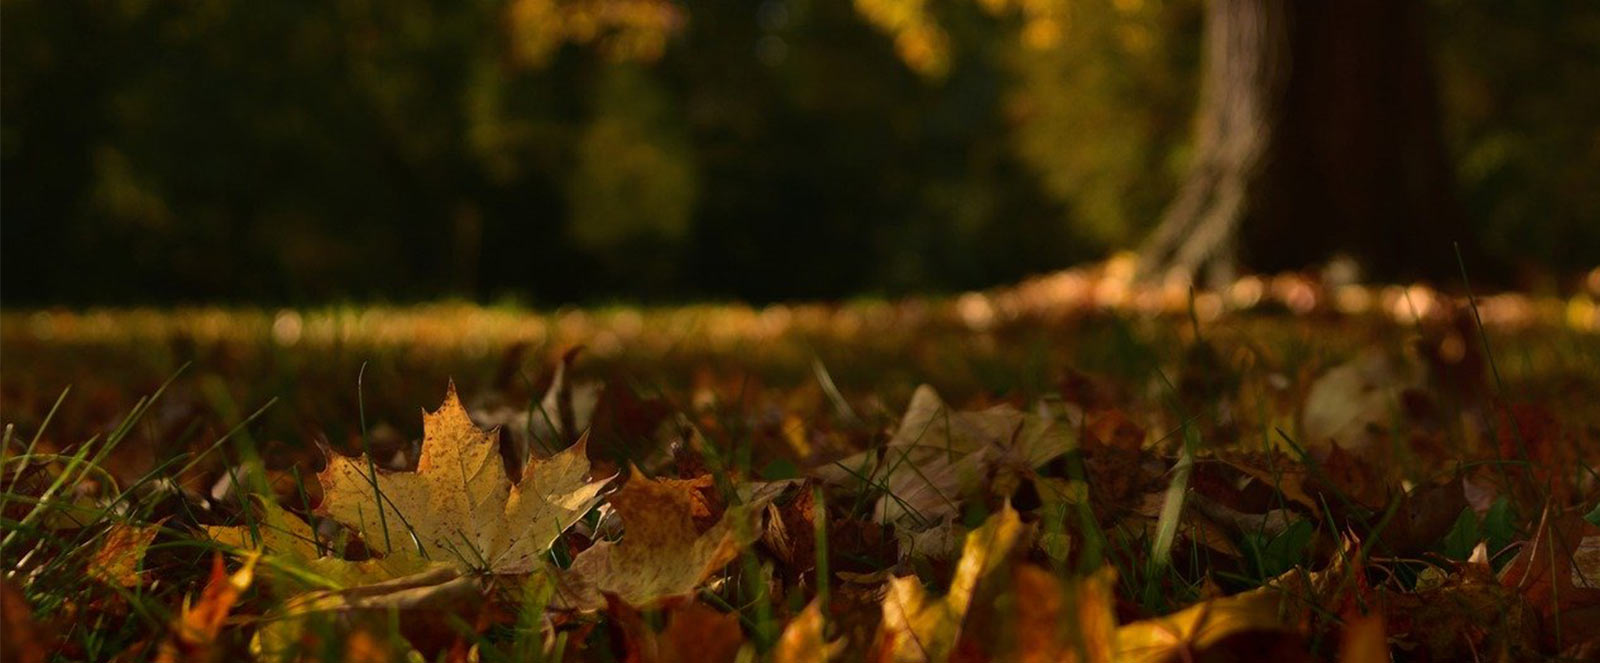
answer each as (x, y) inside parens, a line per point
(194, 632)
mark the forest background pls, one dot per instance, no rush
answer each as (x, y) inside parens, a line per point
(545, 152)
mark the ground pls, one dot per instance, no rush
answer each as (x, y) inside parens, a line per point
(1328, 469)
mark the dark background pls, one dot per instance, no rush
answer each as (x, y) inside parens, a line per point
(322, 150)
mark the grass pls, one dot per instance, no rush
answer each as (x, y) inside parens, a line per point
(776, 392)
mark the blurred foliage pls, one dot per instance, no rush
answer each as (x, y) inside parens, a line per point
(554, 150)
(1523, 117)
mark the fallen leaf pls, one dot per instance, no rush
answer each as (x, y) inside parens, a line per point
(937, 456)
(694, 633)
(1555, 575)
(117, 561)
(804, 639)
(1424, 516)
(555, 422)
(1278, 607)
(1586, 563)
(1462, 616)
(418, 607)
(460, 505)
(791, 532)
(1363, 640)
(1354, 404)
(628, 428)
(945, 541)
(195, 630)
(290, 542)
(919, 629)
(1036, 618)
(662, 554)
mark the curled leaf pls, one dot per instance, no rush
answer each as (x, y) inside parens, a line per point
(194, 632)
(918, 628)
(804, 639)
(937, 456)
(1279, 607)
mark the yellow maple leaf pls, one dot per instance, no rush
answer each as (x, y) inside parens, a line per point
(291, 543)
(460, 506)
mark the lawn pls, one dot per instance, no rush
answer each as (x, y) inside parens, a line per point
(1069, 469)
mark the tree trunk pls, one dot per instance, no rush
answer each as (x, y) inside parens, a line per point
(1317, 134)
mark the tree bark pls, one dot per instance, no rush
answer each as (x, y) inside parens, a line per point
(1317, 133)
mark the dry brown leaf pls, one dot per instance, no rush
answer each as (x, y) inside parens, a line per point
(694, 633)
(1286, 477)
(1355, 404)
(566, 410)
(195, 630)
(938, 455)
(1556, 576)
(1586, 563)
(791, 532)
(919, 629)
(117, 561)
(662, 554)
(1037, 618)
(1464, 616)
(460, 504)
(804, 639)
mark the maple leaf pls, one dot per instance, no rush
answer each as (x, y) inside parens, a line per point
(291, 542)
(661, 554)
(460, 505)
(920, 629)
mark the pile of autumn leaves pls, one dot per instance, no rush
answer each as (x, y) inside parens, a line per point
(997, 536)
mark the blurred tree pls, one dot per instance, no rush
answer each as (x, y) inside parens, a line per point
(1100, 106)
(632, 191)
(1523, 121)
(1318, 131)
